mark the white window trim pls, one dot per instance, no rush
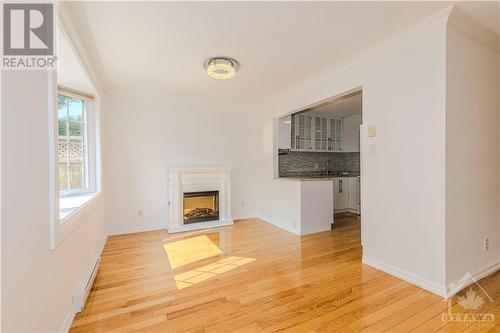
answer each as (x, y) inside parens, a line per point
(63, 226)
(82, 196)
(90, 143)
(60, 229)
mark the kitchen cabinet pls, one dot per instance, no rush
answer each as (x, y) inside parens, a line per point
(284, 132)
(320, 133)
(341, 193)
(346, 194)
(353, 193)
(335, 134)
(316, 133)
(301, 132)
(305, 130)
(351, 133)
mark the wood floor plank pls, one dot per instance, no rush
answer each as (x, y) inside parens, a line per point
(490, 286)
(260, 279)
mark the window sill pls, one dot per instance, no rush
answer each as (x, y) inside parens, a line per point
(71, 214)
(69, 206)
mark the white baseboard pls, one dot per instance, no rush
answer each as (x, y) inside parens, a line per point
(133, 230)
(292, 229)
(423, 283)
(316, 230)
(72, 313)
(68, 321)
(469, 278)
(288, 228)
(102, 243)
(347, 210)
(242, 217)
(199, 226)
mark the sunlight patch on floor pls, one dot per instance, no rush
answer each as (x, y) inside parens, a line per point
(187, 251)
(203, 273)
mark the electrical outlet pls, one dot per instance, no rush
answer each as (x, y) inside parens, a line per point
(486, 244)
(316, 166)
(242, 203)
(139, 212)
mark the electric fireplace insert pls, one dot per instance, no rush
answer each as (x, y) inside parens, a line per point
(201, 206)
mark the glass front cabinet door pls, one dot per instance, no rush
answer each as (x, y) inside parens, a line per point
(316, 133)
(335, 134)
(320, 133)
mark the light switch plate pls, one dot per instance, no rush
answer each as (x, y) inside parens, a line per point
(372, 131)
(372, 149)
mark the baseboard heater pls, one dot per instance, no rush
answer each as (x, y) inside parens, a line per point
(83, 290)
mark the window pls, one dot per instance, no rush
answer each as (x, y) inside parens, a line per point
(72, 145)
(75, 163)
(76, 160)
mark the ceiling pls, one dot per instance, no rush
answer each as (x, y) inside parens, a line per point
(158, 48)
(342, 107)
(487, 13)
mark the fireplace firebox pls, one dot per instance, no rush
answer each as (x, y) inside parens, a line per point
(201, 206)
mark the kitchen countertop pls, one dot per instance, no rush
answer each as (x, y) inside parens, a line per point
(318, 178)
(313, 179)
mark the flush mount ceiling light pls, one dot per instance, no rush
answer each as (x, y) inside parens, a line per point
(221, 68)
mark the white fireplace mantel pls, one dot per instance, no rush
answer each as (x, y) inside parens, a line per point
(190, 178)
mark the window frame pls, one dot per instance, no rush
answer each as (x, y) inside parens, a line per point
(63, 225)
(89, 141)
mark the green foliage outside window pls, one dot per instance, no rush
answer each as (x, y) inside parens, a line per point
(70, 115)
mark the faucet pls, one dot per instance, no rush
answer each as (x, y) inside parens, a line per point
(329, 167)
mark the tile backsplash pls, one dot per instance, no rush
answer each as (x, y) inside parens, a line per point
(297, 163)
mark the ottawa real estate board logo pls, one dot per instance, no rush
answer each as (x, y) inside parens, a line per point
(28, 36)
(473, 307)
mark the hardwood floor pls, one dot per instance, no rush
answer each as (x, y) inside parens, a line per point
(255, 277)
(343, 220)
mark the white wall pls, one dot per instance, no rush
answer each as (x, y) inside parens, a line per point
(144, 136)
(316, 206)
(403, 185)
(472, 156)
(37, 283)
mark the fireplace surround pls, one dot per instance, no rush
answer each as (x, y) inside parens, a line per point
(199, 197)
